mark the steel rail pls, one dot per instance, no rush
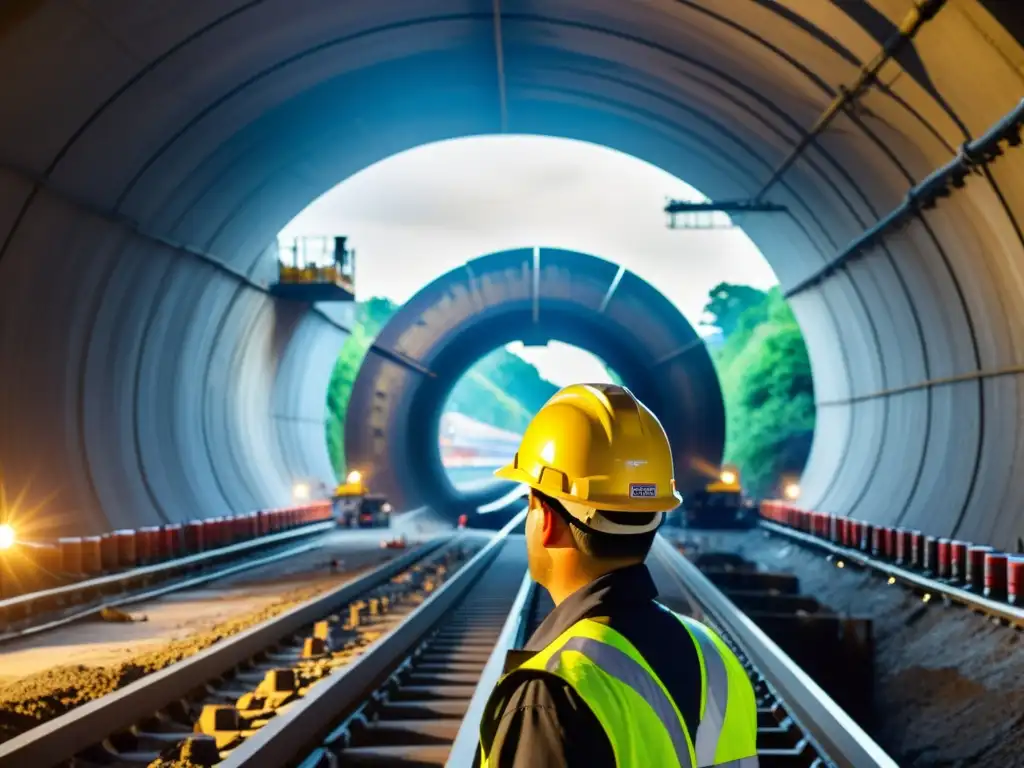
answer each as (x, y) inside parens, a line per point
(465, 748)
(280, 741)
(140, 597)
(63, 737)
(1013, 615)
(822, 721)
(124, 578)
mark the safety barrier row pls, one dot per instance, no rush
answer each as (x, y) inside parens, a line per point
(975, 568)
(34, 566)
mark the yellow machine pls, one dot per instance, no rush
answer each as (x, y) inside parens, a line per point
(356, 507)
(728, 481)
(353, 485)
(720, 504)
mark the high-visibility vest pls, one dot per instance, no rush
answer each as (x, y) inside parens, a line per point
(643, 724)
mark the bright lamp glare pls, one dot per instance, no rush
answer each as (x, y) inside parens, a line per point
(354, 477)
(792, 491)
(728, 477)
(7, 537)
(301, 491)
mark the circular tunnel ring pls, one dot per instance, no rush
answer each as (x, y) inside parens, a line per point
(533, 295)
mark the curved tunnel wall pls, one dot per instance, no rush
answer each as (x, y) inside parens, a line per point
(134, 138)
(531, 295)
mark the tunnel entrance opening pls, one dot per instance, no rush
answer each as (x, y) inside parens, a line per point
(490, 406)
(536, 294)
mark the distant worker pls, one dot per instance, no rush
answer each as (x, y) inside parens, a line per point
(611, 677)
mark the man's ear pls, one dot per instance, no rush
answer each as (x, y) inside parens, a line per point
(550, 530)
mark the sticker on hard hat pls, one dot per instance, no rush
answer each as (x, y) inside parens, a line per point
(643, 490)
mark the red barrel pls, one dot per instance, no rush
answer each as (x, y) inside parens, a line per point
(127, 555)
(227, 530)
(1015, 578)
(193, 537)
(164, 544)
(147, 544)
(943, 557)
(995, 575)
(211, 532)
(173, 540)
(48, 558)
(856, 531)
(463, 519)
(889, 543)
(108, 551)
(239, 527)
(878, 538)
(867, 535)
(841, 529)
(958, 560)
(224, 531)
(976, 566)
(902, 546)
(930, 559)
(70, 554)
(92, 556)
(916, 549)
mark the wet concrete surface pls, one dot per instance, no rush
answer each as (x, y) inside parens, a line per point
(949, 683)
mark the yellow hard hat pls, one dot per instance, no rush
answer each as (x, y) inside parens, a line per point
(597, 446)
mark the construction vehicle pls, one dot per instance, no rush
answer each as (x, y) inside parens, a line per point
(721, 504)
(356, 507)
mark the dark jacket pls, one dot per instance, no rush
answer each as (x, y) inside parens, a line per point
(538, 721)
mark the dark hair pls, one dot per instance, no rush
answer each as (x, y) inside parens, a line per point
(606, 546)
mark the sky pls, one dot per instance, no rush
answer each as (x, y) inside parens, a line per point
(418, 214)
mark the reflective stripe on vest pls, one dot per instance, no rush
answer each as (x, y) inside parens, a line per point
(631, 703)
(727, 732)
(637, 713)
(638, 676)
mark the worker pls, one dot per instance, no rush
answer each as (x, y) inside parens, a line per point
(610, 677)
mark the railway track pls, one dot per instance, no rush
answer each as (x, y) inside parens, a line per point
(799, 724)
(243, 681)
(917, 574)
(406, 686)
(37, 612)
(419, 702)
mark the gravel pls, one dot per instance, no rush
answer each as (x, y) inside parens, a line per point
(49, 693)
(947, 680)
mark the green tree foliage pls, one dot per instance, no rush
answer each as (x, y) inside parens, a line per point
(501, 389)
(766, 382)
(371, 316)
(728, 303)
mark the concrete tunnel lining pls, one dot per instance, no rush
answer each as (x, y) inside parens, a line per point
(533, 295)
(181, 142)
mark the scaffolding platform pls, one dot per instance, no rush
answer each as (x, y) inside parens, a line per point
(315, 269)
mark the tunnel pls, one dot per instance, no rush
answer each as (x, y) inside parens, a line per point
(533, 295)
(149, 155)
